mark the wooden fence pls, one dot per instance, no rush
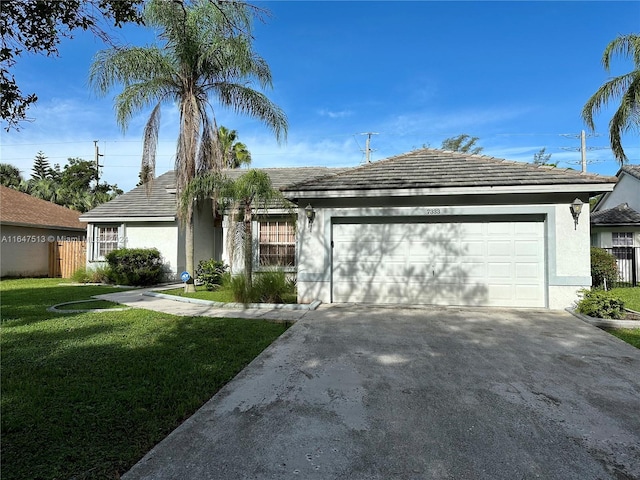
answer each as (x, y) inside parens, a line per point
(65, 257)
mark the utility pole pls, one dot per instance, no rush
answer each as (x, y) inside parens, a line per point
(583, 147)
(367, 148)
(97, 160)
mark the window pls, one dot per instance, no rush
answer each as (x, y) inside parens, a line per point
(622, 239)
(105, 240)
(277, 244)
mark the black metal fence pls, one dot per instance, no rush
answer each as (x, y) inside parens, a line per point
(628, 260)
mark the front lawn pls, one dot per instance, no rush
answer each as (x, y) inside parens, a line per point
(631, 297)
(222, 294)
(86, 395)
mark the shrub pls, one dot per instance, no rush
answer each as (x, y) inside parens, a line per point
(100, 274)
(240, 289)
(601, 304)
(211, 273)
(136, 266)
(272, 286)
(269, 287)
(603, 266)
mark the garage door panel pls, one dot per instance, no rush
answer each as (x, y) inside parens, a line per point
(482, 263)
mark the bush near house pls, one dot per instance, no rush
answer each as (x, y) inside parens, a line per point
(136, 266)
(211, 273)
(601, 304)
(270, 286)
(603, 267)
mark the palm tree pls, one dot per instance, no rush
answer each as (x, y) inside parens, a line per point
(206, 52)
(626, 86)
(234, 154)
(241, 197)
(462, 143)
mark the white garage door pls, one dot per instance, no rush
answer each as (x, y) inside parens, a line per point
(474, 263)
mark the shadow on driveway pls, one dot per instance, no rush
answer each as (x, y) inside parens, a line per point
(358, 392)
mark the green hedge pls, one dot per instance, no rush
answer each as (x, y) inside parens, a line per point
(603, 266)
(136, 266)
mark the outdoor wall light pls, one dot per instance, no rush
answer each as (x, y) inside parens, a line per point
(311, 214)
(576, 208)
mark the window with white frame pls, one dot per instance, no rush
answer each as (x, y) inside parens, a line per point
(622, 239)
(276, 243)
(105, 240)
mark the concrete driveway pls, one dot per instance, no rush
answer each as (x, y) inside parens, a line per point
(354, 392)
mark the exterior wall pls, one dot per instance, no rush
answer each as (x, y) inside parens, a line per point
(207, 237)
(627, 190)
(601, 236)
(567, 264)
(165, 236)
(25, 250)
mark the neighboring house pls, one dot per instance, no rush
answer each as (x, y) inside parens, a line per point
(28, 225)
(141, 219)
(438, 227)
(615, 223)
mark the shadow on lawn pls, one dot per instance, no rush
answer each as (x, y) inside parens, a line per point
(87, 395)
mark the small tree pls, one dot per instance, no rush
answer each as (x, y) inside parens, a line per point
(241, 197)
(604, 267)
(462, 143)
(10, 176)
(542, 158)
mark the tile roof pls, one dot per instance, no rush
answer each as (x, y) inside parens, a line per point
(162, 200)
(429, 168)
(620, 215)
(633, 170)
(17, 208)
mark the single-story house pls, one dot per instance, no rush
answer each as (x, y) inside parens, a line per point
(615, 223)
(426, 227)
(438, 227)
(28, 226)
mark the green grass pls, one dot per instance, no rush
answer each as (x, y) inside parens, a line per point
(222, 294)
(629, 335)
(631, 297)
(89, 305)
(86, 395)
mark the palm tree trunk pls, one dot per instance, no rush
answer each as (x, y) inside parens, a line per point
(248, 246)
(189, 286)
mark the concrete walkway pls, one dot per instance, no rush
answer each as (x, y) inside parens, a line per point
(138, 298)
(355, 392)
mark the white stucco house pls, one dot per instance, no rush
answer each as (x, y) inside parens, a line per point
(615, 223)
(426, 227)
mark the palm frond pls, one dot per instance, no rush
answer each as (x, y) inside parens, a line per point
(245, 100)
(625, 46)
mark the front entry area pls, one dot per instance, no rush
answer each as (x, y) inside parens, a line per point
(483, 263)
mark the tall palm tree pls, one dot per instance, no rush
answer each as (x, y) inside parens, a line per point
(205, 53)
(627, 87)
(234, 153)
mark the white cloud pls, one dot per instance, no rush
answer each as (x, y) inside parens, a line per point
(334, 114)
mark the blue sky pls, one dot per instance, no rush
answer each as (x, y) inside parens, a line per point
(515, 74)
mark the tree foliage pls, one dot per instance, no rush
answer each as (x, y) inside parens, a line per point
(37, 27)
(234, 154)
(10, 176)
(543, 158)
(75, 186)
(626, 87)
(462, 143)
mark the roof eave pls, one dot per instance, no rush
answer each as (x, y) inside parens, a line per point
(474, 190)
(126, 219)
